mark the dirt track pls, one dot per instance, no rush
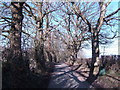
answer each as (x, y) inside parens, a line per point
(64, 77)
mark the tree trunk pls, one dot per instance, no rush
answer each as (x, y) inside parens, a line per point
(39, 48)
(16, 29)
(16, 62)
(74, 55)
(95, 55)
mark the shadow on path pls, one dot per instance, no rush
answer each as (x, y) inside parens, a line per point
(64, 77)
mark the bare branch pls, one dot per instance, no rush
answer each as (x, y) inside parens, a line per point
(113, 13)
(28, 35)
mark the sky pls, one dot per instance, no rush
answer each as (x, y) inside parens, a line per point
(111, 49)
(56, 0)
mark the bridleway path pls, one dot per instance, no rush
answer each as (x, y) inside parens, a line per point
(64, 77)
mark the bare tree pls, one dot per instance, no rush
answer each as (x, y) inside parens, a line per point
(14, 29)
(95, 27)
(38, 14)
(75, 31)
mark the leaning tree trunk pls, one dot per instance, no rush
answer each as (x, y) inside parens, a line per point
(95, 42)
